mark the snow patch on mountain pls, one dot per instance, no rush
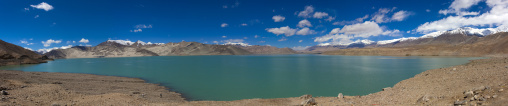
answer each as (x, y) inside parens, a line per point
(129, 43)
(46, 50)
(237, 43)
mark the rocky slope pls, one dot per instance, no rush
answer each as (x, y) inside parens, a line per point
(11, 54)
(257, 49)
(118, 48)
(443, 45)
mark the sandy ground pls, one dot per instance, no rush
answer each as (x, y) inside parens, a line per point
(480, 82)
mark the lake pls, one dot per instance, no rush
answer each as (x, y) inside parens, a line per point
(256, 76)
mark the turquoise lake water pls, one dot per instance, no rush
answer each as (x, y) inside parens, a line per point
(256, 76)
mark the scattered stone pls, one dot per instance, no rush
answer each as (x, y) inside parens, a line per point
(135, 93)
(305, 96)
(340, 96)
(387, 88)
(454, 69)
(501, 90)
(424, 98)
(55, 104)
(495, 96)
(309, 102)
(4, 92)
(460, 102)
(486, 97)
(482, 99)
(56, 83)
(469, 94)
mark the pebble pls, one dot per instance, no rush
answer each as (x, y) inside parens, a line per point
(501, 90)
(4, 92)
(494, 96)
(469, 94)
(460, 102)
(310, 102)
(454, 69)
(340, 96)
(384, 89)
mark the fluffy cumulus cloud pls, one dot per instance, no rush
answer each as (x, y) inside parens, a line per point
(278, 18)
(458, 7)
(51, 41)
(46, 50)
(307, 12)
(44, 6)
(401, 15)
(283, 30)
(83, 40)
(383, 15)
(235, 42)
(304, 23)
(140, 27)
(345, 35)
(224, 25)
(26, 42)
(496, 16)
(305, 31)
(320, 15)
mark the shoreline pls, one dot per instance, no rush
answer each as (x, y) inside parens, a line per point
(180, 100)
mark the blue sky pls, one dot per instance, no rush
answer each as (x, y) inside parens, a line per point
(31, 23)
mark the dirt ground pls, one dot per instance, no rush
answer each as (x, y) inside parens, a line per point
(480, 82)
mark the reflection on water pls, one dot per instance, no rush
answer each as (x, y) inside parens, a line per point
(257, 76)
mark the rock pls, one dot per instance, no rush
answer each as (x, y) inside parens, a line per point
(460, 102)
(424, 98)
(469, 94)
(454, 69)
(501, 90)
(340, 96)
(482, 99)
(387, 88)
(309, 102)
(495, 96)
(486, 97)
(476, 97)
(481, 88)
(305, 96)
(4, 92)
(135, 92)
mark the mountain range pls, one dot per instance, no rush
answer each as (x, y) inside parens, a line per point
(465, 35)
(11, 54)
(121, 48)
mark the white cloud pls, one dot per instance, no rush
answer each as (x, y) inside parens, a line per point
(307, 12)
(244, 24)
(401, 15)
(139, 27)
(320, 15)
(216, 42)
(304, 23)
(496, 16)
(282, 30)
(235, 42)
(45, 6)
(330, 18)
(27, 48)
(36, 16)
(46, 50)
(278, 18)
(27, 9)
(300, 47)
(26, 42)
(458, 6)
(137, 30)
(224, 25)
(300, 41)
(262, 41)
(245, 38)
(50, 41)
(83, 40)
(142, 26)
(361, 30)
(380, 15)
(224, 36)
(282, 39)
(256, 36)
(357, 20)
(427, 10)
(305, 31)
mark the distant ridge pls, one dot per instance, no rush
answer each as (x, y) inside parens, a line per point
(11, 54)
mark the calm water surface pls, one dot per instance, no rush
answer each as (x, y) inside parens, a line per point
(256, 76)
